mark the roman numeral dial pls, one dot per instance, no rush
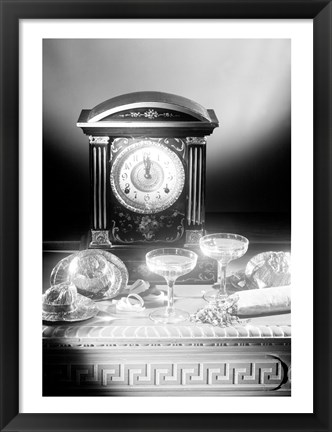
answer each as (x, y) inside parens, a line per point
(147, 177)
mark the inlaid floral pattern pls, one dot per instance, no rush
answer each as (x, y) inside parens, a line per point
(168, 225)
(149, 114)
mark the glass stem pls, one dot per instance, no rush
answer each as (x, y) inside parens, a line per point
(222, 279)
(170, 297)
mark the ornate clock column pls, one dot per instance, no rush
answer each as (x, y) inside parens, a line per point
(195, 223)
(99, 174)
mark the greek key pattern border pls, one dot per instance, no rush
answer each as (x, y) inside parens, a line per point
(267, 374)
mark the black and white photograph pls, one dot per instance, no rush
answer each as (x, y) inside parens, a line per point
(165, 229)
(166, 217)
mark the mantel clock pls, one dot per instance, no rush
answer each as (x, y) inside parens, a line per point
(147, 169)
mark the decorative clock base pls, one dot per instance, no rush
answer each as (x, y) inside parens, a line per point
(99, 238)
(193, 236)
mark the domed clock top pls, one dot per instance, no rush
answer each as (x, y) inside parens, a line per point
(150, 110)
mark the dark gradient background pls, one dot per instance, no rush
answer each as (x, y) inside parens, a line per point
(246, 82)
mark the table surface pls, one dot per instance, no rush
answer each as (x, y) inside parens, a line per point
(110, 324)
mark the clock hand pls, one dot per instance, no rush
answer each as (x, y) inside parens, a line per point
(147, 165)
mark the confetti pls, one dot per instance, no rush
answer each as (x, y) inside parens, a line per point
(217, 314)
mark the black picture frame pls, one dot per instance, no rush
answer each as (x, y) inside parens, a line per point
(11, 12)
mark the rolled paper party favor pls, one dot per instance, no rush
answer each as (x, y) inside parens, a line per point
(258, 301)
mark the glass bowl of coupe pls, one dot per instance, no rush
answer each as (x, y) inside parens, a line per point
(170, 263)
(223, 247)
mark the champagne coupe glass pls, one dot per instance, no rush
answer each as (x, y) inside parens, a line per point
(170, 263)
(223, 247)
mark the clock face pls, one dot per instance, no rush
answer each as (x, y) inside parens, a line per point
(147, 177)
